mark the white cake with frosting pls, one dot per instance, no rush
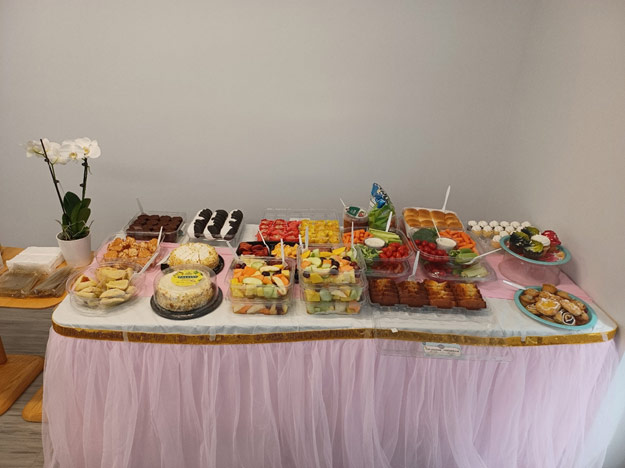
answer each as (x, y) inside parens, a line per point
(182, 290)
(194, 253)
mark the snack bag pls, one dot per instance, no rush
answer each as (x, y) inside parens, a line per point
(380, 208)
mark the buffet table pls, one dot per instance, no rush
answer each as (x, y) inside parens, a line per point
(377, 389)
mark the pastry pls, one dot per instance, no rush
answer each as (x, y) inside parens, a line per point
(547, 306)
(129, 249)
(216, 223)
(194, 253)
(108, 287)
(198, 224)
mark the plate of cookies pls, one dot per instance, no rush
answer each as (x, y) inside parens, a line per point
(555, 307)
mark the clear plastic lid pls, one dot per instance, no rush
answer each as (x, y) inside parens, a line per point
(429, 295)
(18, 283)
(105, 286)
(478, 272)
(330, 264)
(182, 288)
(128, 249)
(146, 225)
(334, 299)
(260, 278)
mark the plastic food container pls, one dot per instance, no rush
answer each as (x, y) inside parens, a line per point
(356, 215)
(457, 272)
(173, 225)
(318, 232)
(417, 217)
(18, 283)
(36, 260)
(272, 245)
(319, 272)
(264, 292)
(387, 294)
(527, 271)
(346, 299)
(127, 252)
(388, 267)
(184, 288)
(104, 286)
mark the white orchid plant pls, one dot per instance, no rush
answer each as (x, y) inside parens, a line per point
(76, 211)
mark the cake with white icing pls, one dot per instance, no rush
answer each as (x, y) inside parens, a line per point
(183, 289)
(194, 253)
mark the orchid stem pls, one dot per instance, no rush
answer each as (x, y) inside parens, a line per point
(53, 174)
(84, 177)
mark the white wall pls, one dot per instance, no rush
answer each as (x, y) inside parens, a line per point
(255, 104)
(567, 147)
(520, 105)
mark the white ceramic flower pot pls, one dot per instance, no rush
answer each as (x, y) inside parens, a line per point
(77, 253)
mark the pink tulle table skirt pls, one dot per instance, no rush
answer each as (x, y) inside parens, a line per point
(335, 403)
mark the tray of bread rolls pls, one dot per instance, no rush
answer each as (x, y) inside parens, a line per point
(417, 218)
(386, 294)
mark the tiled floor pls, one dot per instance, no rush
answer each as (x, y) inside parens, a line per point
(22, 332)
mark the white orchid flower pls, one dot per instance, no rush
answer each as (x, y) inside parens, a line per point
(90, 147)
(33, 148)
(54, 153)
(71, 151)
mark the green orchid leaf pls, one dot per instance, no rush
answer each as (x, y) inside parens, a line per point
(70, 200)
(83, 215)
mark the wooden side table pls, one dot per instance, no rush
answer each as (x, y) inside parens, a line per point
(18, 371)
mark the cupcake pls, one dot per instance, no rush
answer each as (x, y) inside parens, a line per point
(498, 230)
(476, 230)
(487, 231)
(472, 223)
(504, 224)
(525, 224)
(515, 224)
(482, 224)
(493, 224)
(494, 243)
(509, 229)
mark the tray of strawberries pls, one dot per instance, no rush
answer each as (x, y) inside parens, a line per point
(275, 229)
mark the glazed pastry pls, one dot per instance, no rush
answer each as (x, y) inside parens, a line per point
(547, 306)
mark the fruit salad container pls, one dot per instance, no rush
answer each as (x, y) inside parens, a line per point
(346, 299)
(146, 225)
(323, 264)
(388, 254)
(260, 285)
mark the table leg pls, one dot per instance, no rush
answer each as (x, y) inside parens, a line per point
(17, 371)
(34, 408)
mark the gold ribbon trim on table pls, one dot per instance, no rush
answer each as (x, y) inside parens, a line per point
(318, 335)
